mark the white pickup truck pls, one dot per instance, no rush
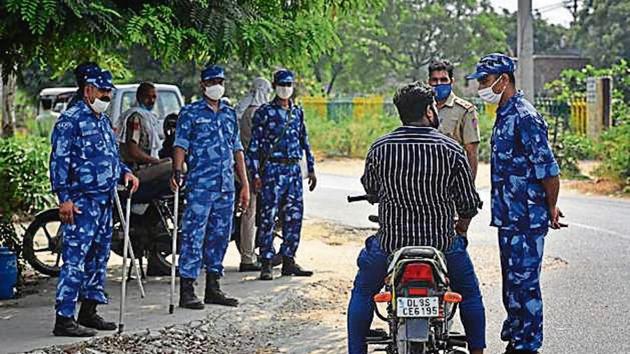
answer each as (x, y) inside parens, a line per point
(169, 100)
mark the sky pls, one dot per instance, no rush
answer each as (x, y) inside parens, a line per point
(551, 10)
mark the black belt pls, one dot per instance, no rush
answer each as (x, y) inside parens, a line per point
(284, 161)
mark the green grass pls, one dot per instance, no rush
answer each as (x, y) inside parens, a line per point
(347, 137)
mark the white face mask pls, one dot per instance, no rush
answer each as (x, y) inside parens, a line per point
(489, 96)
(214, 92)
(99, 106)
(284, 92)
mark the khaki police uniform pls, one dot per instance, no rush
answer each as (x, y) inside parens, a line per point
(458, 120)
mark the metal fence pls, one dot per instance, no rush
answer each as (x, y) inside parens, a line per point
(560, 115)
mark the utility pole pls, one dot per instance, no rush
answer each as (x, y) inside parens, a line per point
(525, 48)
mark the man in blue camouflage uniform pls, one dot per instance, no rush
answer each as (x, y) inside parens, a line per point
(85, 167)
(525, 187)
(207, 133)
(279, 140)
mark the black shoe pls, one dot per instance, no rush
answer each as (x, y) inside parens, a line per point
(68, 327)
(247, 267)
(187, 297)
(289, 267)
(510, 350)
(214, 295)
(266, 271)
(90, 319)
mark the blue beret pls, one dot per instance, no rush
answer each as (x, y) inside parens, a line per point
(493, 64)
(212, 72)
(101, 79)
(283, 76)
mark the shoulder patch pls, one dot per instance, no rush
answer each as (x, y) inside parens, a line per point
(465, 104)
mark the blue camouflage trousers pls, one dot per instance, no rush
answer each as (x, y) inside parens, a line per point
(281, 193)
(206, 227)
(85, 253)
(521, 262)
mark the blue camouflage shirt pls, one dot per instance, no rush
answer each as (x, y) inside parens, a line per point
(84, 157)
(211, 139)
(268, 123)
(521, 157)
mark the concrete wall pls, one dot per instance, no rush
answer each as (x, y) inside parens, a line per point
(548, 68)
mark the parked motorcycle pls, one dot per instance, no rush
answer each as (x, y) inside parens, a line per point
(420, 305)
(150, 235)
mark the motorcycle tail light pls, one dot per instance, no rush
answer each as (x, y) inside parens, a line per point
(417, 272)
(418, 291)
(452, 297)
(383, 297)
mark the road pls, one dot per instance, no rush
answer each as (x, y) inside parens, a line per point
(587, 302)
(586, 286)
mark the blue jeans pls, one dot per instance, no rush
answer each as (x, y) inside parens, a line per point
(372, 264)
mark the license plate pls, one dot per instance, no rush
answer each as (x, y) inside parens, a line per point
(418, 307)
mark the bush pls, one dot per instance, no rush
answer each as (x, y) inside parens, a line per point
(347, 137)
(569, 150)
(486, 122)
(614, 150)
(24, 184)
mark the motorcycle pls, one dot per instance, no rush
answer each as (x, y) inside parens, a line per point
(420, 306)
(150, 236)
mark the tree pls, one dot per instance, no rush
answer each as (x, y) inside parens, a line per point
(61, 34)
(384, 45)
(602, 31)
(548, 38)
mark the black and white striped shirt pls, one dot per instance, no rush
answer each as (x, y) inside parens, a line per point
(422, 179)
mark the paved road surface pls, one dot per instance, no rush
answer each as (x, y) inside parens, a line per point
(587, 302)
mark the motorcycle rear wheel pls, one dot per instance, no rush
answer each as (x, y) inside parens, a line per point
(42, 243)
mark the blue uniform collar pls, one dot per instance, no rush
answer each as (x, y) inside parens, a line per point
(276, 103)
(222, 105)
(510, 103)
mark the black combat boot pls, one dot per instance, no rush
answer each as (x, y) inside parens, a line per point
(289, 267)
(214, 295)
(187, 297)
(68, 327)
(266, 272)
(90, 319)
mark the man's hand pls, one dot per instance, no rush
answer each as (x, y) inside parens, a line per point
(130, 178)
(312, 181)
(67, 211)
(243, 198)
(176, 180)
(554, 218)
(461, 226)
(257, 183)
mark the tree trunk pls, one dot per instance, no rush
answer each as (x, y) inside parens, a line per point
(7, 95)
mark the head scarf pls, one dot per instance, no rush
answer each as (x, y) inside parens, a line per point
(258, 95)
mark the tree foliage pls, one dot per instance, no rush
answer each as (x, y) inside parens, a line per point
(63, 33)
(602, 31)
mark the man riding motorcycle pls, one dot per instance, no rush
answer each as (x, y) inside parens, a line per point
(138, 135)
(422, 180)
